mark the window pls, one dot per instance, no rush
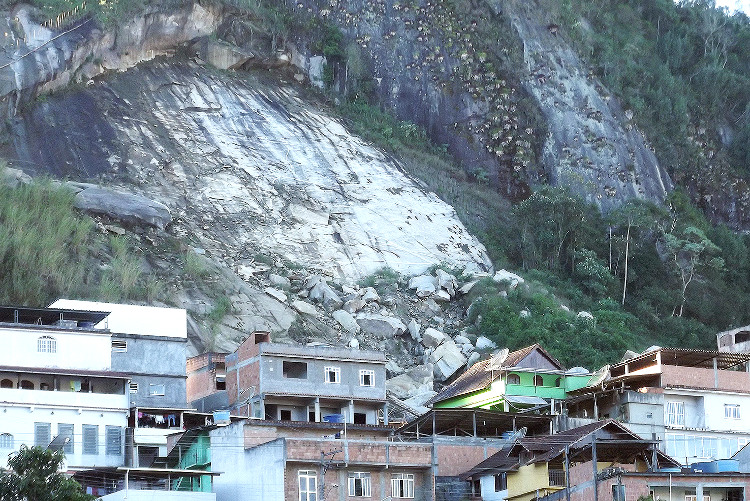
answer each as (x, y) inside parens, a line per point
(42, 434)
(693, 497)
(156, 390)
(308, 485)
(332, 375)
(360, 418)
(513, 379)
(618, 492)
(46, 344)
(501, 482)
(366, 378)
(402, 485)
(119, 346)
(66, 430)
(294, 370)
(359, 484)
(731, 411)
(6, 383)
(538, 381)
(113, 441)
(675, 414)
(558, 381)
(90, 439)
(133, 387)
(6, 441)
(285, 415)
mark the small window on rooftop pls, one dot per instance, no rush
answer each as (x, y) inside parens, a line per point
(294, 370)
(261, 337)
(741, 337)
(119, 346)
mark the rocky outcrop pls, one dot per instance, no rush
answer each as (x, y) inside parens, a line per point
(126, 207)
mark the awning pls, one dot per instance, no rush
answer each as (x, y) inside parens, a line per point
(524, 400)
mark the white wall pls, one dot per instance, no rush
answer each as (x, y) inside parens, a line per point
(255, 474)
(132, 495)
(488, 489)
(134, 319)
(75, 350)
(19, 422)
(714, 408)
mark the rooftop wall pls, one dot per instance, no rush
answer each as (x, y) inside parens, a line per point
(697, 377)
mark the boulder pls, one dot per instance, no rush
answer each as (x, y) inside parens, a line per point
(473, 358)
(446, 281)
(447, 359)
(370, 295)
(354, 343)
(524, 314)
(414, 330)
(511, 278)
(460, 339)
(14, 177)
(425, 285)
(466, 349)
(393, 368)
(279, 282)
(222, 55)
(304, 308)
(323, 293)
(126, 207)
(466, 288)
(484, 343)
(381, 326)
(354, 305)
(276, 294)
(346, 321)
(585, 315)
(312, 281)
(442, 296)
(432, 337)
(419, 400)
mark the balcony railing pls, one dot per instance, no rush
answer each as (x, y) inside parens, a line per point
(557, 478)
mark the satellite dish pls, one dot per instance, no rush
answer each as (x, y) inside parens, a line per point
(59, 442)
(496, 362)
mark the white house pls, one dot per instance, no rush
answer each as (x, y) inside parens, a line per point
(56, 382)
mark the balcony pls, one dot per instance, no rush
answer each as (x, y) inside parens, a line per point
(557, 478)
(63, 399)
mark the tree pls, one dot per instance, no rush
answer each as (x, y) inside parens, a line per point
(34, 476)
(691, 252)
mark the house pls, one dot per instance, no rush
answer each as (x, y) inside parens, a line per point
(695, 402)
(146, 484)
(273, 460)
(57, 382)
(537, 467)
(149, 344)
(519, 380)
(306, 383)
(207, 382)
(462, 438)
(736, 340)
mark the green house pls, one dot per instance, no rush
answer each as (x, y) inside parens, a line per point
(523, 380)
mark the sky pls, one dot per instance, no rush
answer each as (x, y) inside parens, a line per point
(735, 4)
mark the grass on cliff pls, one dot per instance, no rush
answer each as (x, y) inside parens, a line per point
(49, 250)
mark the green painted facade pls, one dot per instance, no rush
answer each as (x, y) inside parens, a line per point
(195, 457)
(554, 386)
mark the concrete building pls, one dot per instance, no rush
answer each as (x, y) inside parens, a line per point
(278, 460)
(147, 484)
(736, 340)
(56, 381)
(306, 383)
(695, 402)
(207, 382)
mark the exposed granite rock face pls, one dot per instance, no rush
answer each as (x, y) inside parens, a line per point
(244, 165)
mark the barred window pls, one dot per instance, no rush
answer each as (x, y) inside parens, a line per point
(42, 434)
(113, 441)
(46, 344)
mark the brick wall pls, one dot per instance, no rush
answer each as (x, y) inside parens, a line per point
(378, 452)
(704, 378)
(638, 485)
(200, 384)
(454, 460)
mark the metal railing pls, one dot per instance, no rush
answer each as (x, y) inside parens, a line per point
(557, 478)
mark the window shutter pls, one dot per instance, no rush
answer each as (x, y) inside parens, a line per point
(113, 441)
(42, 434)
(66, 430)
(90, 439)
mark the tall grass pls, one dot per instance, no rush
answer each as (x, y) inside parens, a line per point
(43, 244)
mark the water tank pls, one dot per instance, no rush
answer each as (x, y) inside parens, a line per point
(333, 418)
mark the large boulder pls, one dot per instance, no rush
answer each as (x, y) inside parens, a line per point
(431, 338)
(484, 343)
(447, 359)
(126, 207)
(380, 325)
(305, 308)
(446, 281)
(13, 177)
(511, 278)
(425, 285)
(415, 381)
(323, 293)
(346, 321)
(414, 330)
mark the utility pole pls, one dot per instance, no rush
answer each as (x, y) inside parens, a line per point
(325, 464)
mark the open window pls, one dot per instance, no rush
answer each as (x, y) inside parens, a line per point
(294, 370)
(513, 379)
(332, 375)
(538, 381)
